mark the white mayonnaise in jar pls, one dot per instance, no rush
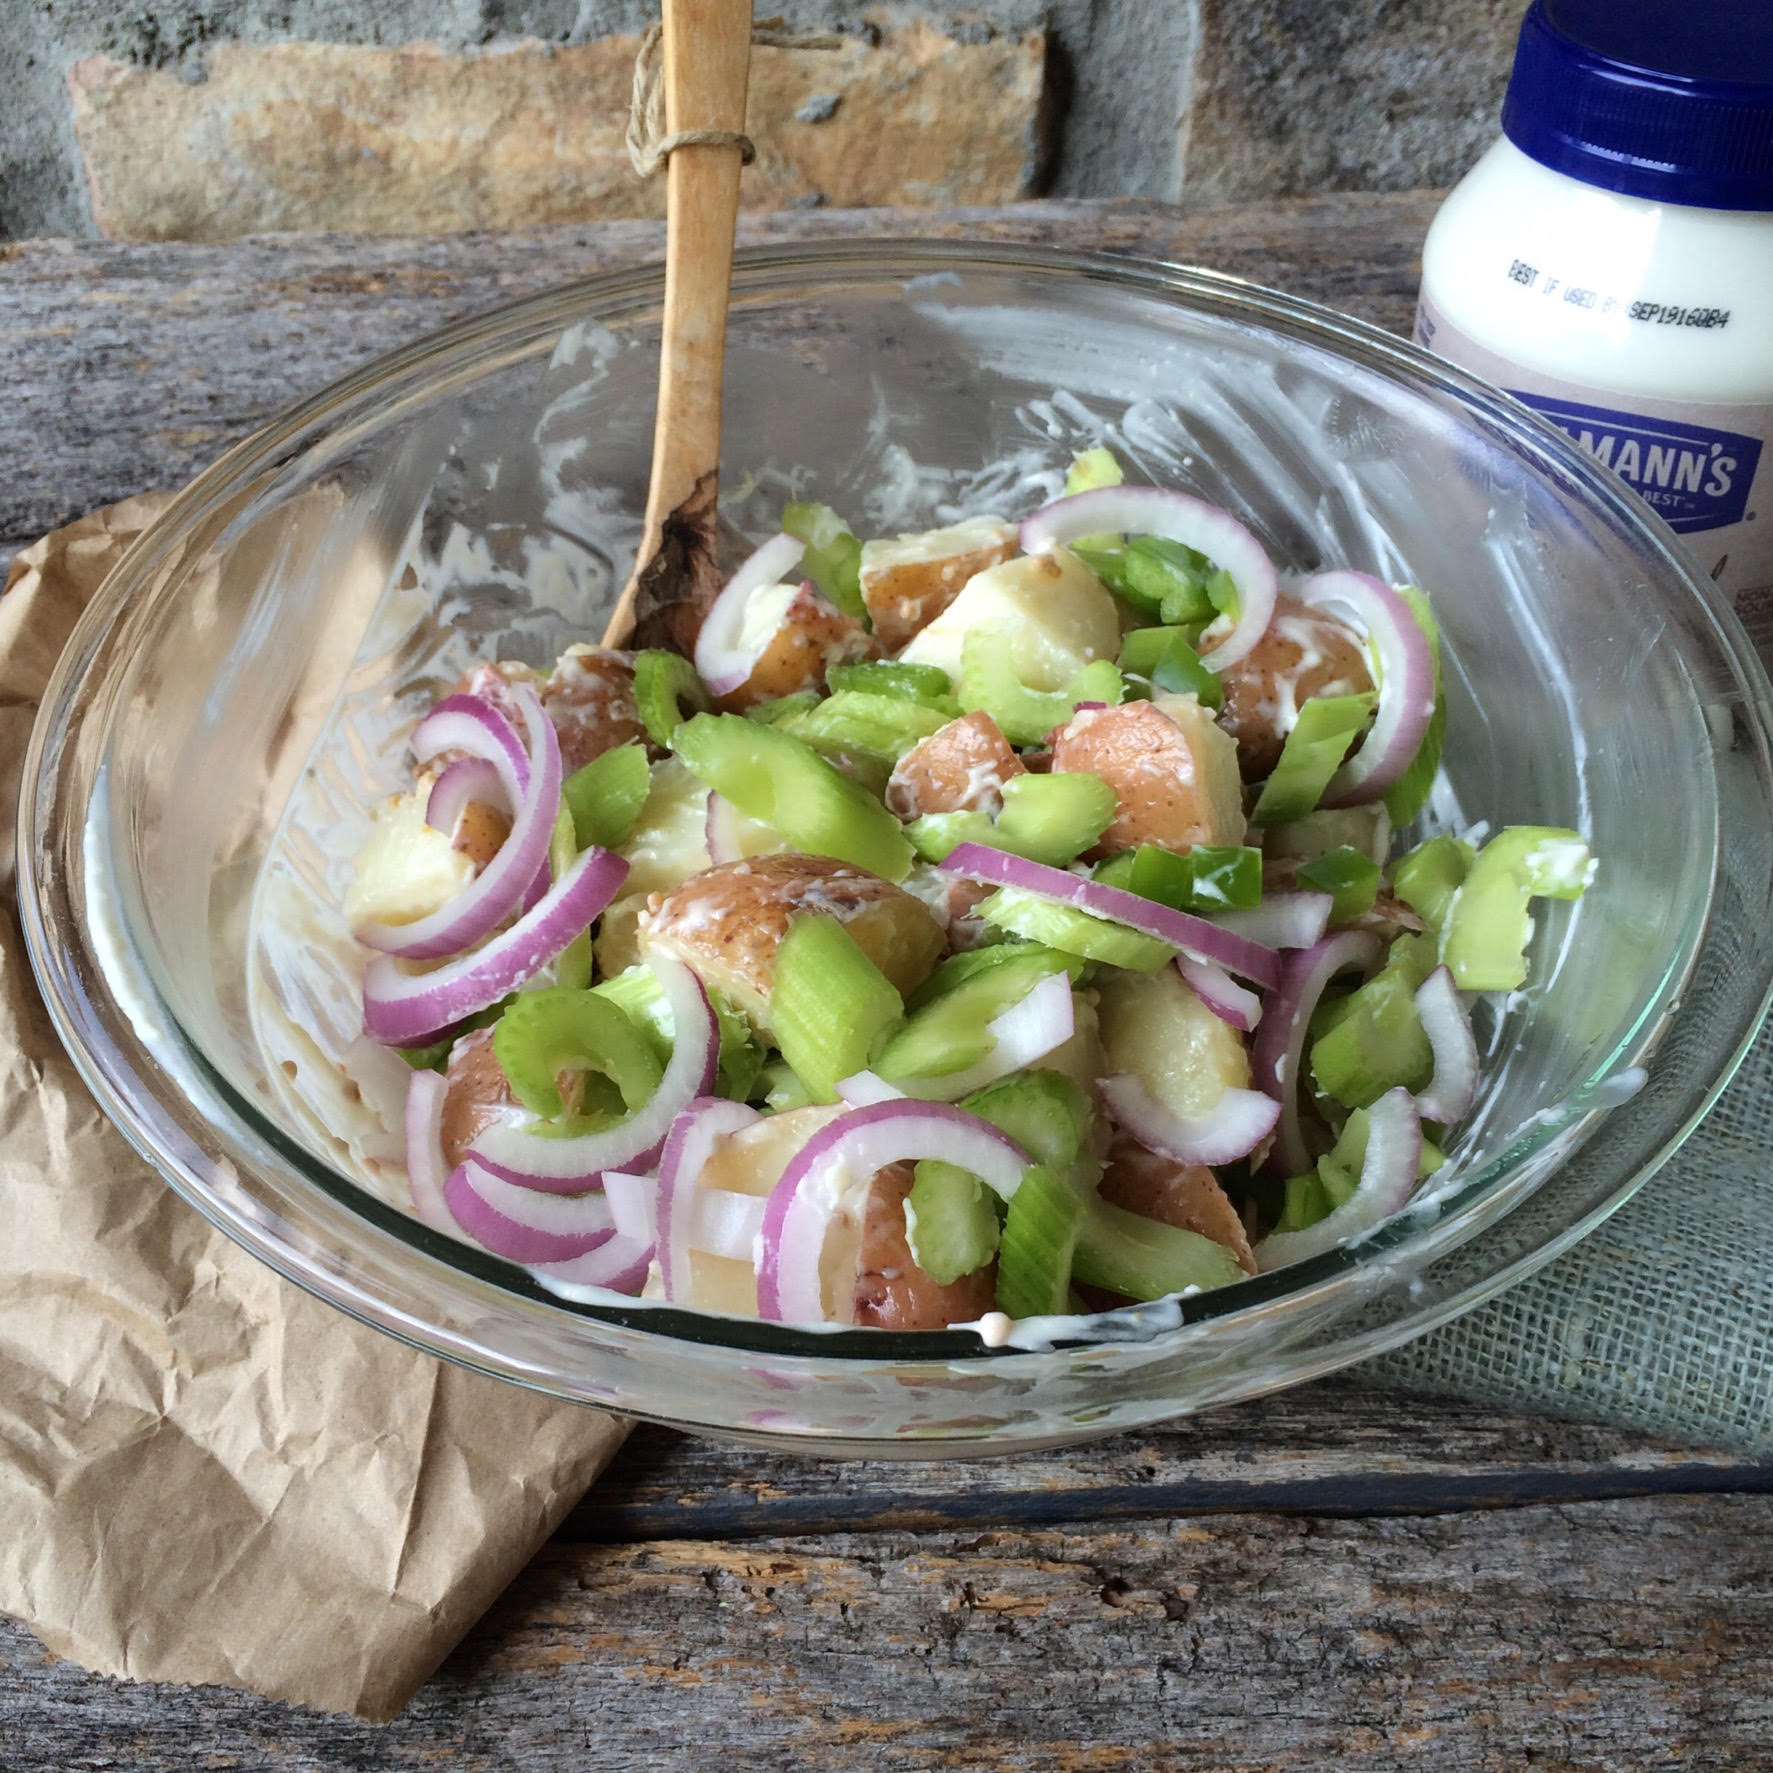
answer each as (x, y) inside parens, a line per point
(1610, 261)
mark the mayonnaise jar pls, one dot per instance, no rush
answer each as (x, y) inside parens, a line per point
(1610, 261)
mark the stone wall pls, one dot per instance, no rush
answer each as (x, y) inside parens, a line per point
(206, 119)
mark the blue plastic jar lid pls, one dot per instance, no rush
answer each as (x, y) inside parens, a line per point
(1666, 99)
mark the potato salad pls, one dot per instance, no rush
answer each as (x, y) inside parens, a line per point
(989, 923)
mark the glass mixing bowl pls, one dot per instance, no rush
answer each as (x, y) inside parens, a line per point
(236, 696)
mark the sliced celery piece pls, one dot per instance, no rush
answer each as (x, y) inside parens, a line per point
(1045, 1112)
(1349, 877)
(607, 795)
(1428, 879)
(1141, 648)
(1091, 469)
(1209, 877)
(573, 965)
(1484, 941)
(988, 681)
(556, 1030)
(1377, 1040)
(783, 707)
(936, 834)
(1322, 736)
(833, 558)
(829, 1005)
(1319, 1192)
(881, 727)
(949, 1032)
(771, 775)
(1073, 931)
(927, 684)
(1407, 796)
(1053, 818)
(957, 969)
(665, 687)
(1181, 672)
(638, 994)
(780, 1089)
(951, 1222)
(1143, 1258)
(1039, 1236)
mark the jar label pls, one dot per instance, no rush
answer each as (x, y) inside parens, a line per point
(1706, 469)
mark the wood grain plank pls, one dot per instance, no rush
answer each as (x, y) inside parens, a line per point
(1338, 1448)
(1603, 1635)
(131, 367)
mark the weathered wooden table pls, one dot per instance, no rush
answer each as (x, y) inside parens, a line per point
(1338, 1577)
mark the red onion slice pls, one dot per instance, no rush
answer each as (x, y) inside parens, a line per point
(694, 1134)
(1279, 1051)
(1232, 1128)
(487, 900)
(1033, 1026)
(633, 1204)
(847, 1152)
(720, 660)
(563, 1166)
(1179, 517)
(465, 781)
(521, 1224)
(403, 1009)
(1282, 920)
(473, 726)
(1388, 1179)
(1227, 948)
(866, 1088)
(1221, 993)
(619, 1265)
(426, 1172)
(1454, 1085)
(1406, 682)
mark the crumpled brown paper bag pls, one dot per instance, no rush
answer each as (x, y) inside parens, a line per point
(205, 1474)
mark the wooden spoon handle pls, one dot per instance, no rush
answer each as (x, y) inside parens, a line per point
(707, 64)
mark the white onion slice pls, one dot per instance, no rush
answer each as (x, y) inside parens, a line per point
(618, 1265)
(633, 1204)
(731, 836)
(1279, 1051)
(1227, 948)
(497, 890)
(425, 1169)
(1388, 1179)
(844, 1153)
(510, 1150)
(1232, 1128)
(1179, 517)
(1221, 993)
(522, 1224)
(720, 660)
(728, 1224)
(403, 1009)
(1406, 682)
(866, 1088)
(1454, 1085)
(694, 1134)
(1282, 920)
(1034, 1025)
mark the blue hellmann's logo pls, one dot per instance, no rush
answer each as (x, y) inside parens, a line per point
(1695, 478)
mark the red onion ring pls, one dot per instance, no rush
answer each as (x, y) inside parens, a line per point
(866, 1088)
(1454, 1085)
(1279, 1051)
(467, 780)
(1406, 683)
(487, 900)
(1282, 920)
(1221, 993)
(522, 1224)
(426, 1172)
(853, 1149)
(689, 1145)
(1232, 1128)
(403, 1009)
(619, 1265)
(719, 660)
(1207, 941)
(473, 726)
(1036, 1024)
(1178, 517)
(565, 1166)
(633, 1204)
(1388, 1179)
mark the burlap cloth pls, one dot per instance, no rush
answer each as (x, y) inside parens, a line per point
(206, 1475)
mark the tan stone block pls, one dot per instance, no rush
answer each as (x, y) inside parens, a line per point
(303, 137)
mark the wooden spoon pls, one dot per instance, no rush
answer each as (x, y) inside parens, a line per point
(707, 64)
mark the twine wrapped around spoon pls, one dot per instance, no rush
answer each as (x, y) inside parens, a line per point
(648, 145)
